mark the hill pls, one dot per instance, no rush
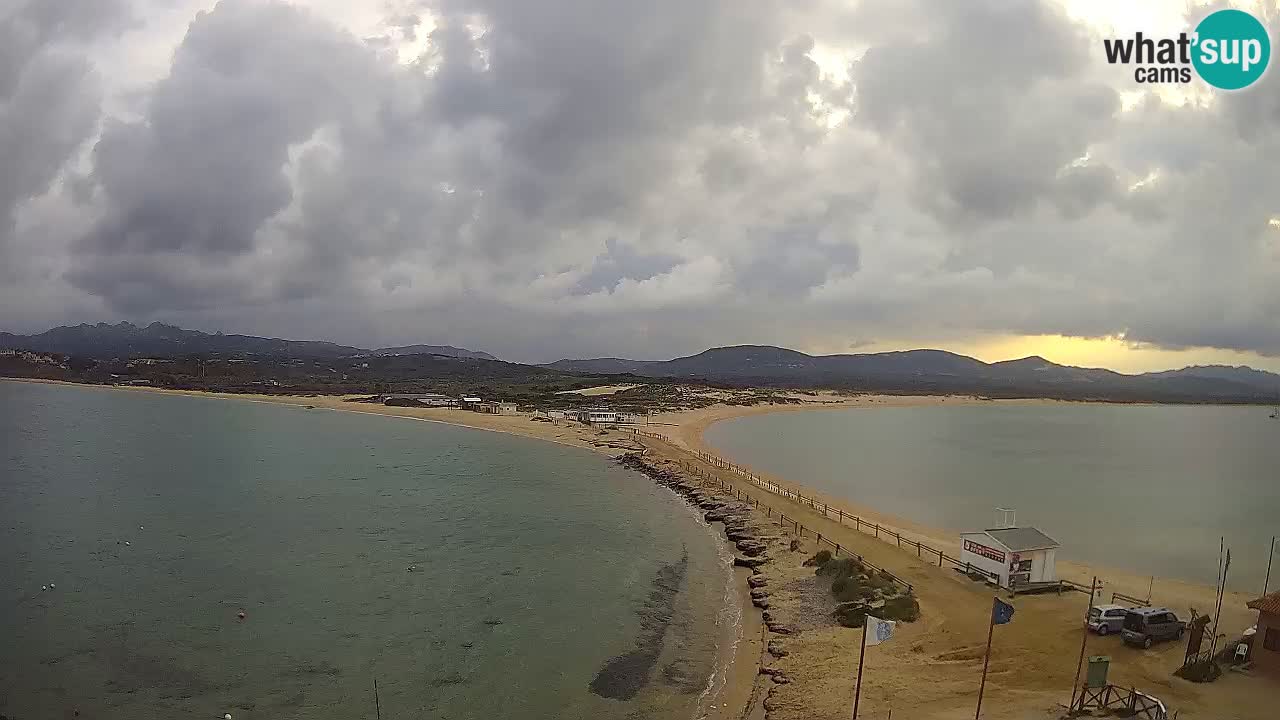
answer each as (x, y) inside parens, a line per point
(937, 371)
(445, 350)
(126, 340)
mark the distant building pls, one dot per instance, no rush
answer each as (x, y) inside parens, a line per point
(428, 399)
(596, 416)
(470, 402)
(1265, 653)
(495, 408)
(1016, 555)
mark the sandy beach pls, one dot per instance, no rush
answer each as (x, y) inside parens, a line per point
(931, 669)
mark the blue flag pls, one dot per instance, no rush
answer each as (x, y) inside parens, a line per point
(1001, 612)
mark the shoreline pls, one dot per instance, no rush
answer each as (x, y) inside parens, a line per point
(737, 698)
(930, 672)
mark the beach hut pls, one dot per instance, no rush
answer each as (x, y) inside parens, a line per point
(1265, 652)
(1016, 557)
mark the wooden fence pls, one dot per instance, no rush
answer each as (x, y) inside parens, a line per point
(831, 513)
(786, 522)
(1131, 600)
(1126, 702)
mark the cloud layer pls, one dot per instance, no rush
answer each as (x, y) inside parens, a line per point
(573, 177)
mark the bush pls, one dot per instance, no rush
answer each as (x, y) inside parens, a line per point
(852, 614)
(1200, 671)
(841, 567)
(904, 608)
(854, 591)
(820, 558)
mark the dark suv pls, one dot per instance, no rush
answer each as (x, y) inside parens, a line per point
(1144, 626)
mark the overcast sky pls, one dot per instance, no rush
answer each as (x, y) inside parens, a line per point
(573, 178)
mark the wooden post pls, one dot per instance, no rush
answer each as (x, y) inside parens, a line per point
(1271, 553)
(862, 656)
(1084, 640)
(986, 661)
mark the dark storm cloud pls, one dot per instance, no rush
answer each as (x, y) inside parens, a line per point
(994, 99)
(195, 179)
(621, 262)
(49, 99)
(583, 177)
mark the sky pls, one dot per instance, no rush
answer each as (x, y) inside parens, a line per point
(584, 178)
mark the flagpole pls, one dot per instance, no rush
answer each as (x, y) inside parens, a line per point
(991, 629)
(862, 654)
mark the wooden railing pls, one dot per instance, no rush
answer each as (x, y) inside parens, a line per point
(1126, 702)
(881, 532)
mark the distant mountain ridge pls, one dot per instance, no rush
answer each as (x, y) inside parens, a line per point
(126, 340)
(920, 371)
(900, 372)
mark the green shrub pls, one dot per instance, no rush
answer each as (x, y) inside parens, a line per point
(854, 591)
(904, 608)
(852, 615)
(820, 558)
(841, 567)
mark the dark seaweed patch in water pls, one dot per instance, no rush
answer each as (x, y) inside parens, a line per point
(624, 676)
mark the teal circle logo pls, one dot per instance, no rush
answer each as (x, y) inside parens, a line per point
(1232, 49)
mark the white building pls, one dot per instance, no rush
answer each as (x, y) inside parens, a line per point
(495, 408)
(428, 399)
(600, 415)
(1017, 556)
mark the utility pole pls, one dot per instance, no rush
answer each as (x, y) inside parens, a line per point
(1271, 553)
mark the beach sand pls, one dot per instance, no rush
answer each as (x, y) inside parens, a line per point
(931, 668)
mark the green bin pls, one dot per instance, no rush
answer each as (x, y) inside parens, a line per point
(1097, 675)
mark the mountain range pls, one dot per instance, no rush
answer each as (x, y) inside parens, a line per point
(921, 371)
(908, 372)
(126, 340)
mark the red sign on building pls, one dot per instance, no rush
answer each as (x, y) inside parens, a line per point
(984, 551)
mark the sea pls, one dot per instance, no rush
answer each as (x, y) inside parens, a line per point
(168, 556)
(1150, 489)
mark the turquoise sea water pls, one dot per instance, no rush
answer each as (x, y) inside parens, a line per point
(1149, 489)
(474, 575)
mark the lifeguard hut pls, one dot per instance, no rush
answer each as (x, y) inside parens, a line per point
(1017, 558)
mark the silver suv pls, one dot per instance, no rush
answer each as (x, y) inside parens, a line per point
(1107, 619)
(1144, 626)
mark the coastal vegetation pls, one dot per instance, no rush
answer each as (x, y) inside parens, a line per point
(861, 591)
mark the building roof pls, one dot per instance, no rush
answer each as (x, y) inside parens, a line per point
(1267, 603)
(1023, 539)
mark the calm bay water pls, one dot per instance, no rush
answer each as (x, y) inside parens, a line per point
(547, 582)
(1143, 488)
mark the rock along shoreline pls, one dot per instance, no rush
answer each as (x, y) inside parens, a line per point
(755, 542)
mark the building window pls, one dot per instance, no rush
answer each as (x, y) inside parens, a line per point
(1272, 640)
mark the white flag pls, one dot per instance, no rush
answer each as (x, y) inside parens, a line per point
(878, 630)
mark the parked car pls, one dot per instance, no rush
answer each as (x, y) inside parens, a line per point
(1107, 619)
(1144, 626)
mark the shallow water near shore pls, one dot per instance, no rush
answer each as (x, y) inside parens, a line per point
(473, 574)
(1144, 488)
